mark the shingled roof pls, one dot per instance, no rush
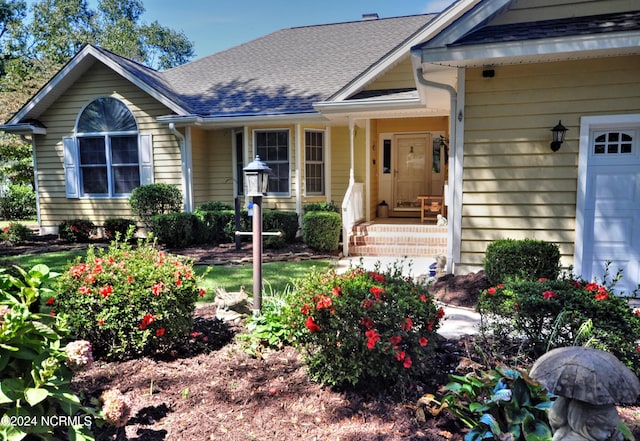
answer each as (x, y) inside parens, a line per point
(289, 70)
(572, 26)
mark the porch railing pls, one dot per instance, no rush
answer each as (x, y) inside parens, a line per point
(352, 212)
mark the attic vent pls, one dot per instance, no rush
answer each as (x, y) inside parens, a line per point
(370, 16)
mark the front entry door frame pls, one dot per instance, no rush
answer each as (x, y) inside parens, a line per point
(410, 165)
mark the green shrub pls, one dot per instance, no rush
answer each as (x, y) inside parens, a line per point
(499, 404)
(35, 365)
(115, 225)
(16, 232)
(219, 226)
(76, 230)
(18, 202)
(178, 230)
(321, 206)
(150, 200)
(321, 230)
(129, 302)
(284, 221)
(545, 314)
(214, 206)
(526, 259)
(366, 327)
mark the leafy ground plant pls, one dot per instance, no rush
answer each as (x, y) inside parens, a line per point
(36, 367)
(500, 404)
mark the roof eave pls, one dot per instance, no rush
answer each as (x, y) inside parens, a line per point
(23, 129)
(530, 51)
(329, 107)
(69, 73)
(238, 120)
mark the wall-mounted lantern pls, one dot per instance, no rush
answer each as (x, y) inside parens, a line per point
(558, 136)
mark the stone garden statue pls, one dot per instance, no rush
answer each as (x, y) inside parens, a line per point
(588, 383)
(231, 305)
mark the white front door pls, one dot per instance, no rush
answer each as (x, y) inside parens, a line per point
(610, 211)
(412, 160)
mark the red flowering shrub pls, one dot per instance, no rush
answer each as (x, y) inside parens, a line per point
(129, 301)
(539, 315)
(365, 326)
(76, 230)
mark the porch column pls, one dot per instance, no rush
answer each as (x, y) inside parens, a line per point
(352, 175)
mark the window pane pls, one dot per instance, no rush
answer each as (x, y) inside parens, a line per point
(313, 173)
(125, 179)
(92, 150)
(124, 150)
(94, 180)
(314, 163)
(240, 162)
(273, 149)
(106, 115)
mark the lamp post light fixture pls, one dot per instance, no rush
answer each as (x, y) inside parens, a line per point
(558, 136)
(257, 180)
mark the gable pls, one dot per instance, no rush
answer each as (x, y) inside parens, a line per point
(523, 11)
(530, 31)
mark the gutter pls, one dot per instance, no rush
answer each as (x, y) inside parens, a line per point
(185, 154)
(238, 120)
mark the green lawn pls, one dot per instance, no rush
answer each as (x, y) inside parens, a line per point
(276, 275)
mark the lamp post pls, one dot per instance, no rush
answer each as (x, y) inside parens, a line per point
(257, 179)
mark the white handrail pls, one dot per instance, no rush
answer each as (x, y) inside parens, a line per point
(352, 212)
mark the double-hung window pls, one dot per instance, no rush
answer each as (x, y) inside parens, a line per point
(104, 158)
(314, 162)
(273, 148)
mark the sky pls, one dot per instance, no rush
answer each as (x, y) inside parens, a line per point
(215, 25)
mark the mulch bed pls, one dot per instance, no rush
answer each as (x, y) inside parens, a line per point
(215, 391)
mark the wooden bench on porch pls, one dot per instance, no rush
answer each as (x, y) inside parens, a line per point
(431, 207)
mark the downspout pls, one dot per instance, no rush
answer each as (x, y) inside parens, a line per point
(186, 168)
(298, 187)
(453, 246)
(36, 186)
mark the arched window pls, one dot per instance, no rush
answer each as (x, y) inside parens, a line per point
(105, 158)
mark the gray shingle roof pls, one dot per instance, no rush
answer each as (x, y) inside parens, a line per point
(289, 70)
(589, 25)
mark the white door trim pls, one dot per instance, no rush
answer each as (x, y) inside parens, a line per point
(587, 124)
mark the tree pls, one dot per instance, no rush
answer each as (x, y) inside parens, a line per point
(33, 51)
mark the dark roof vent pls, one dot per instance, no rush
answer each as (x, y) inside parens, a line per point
(370, 16)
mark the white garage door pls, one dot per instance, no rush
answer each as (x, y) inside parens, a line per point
(612, 206)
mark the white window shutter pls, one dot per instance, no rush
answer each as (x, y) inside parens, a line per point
(71, 167)
(146, 159)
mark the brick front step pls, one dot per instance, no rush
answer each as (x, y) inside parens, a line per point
(388, 239)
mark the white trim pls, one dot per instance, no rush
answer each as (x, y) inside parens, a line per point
(298, 172)
(81, 61)
(188, 155)
(367, 173)
(587, 124)
(327, 166)
(456, 158)
(548, 49)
